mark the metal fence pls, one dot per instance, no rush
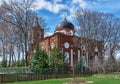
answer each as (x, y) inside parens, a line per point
(26, 75)
(12, 70)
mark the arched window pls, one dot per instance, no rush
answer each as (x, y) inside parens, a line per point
(66, 60)
(63, 31)
(83, 47)
(53, 45)
(71, 33)
(96, 49)
(84, 63)
(96, 58)
(38, 35)
(42, 48)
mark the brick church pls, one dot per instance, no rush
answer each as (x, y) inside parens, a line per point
(71, 45)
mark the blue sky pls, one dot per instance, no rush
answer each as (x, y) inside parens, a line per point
(53, 10)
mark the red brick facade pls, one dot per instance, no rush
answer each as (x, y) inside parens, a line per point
(72, 46)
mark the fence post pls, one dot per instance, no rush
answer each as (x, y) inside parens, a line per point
(1, 78)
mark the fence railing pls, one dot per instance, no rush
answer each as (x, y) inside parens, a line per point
(12, 70)
(24, 74)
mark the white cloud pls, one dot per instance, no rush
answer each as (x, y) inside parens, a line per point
(82, 3)
(69, 17)
(3, 0)
(0, 2)
(48, 34)
(58, 1)
(76, 4)
(54, 6)
(94, 3)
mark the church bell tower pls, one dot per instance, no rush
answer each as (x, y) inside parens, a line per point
(36, 34)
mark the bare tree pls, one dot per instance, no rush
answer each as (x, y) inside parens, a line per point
(99, 27)
(88, 28)
(110, 36)
(7, 39)
(22, 16)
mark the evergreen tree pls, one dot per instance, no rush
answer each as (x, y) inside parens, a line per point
(80, 64)
(55, 58)
(20, 63)
(39, 61)
(4, 62)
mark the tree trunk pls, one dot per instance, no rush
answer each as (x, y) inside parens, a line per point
(26, 60)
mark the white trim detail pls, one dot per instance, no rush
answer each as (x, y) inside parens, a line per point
(87, 59)
(78, 55)
(71, 58)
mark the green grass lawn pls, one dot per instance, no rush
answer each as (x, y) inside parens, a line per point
(97, 79)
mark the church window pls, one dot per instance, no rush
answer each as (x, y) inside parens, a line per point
(84, 63)
(39, 35)
(66, 45)
(66, 60)
(96, 49)
(63, 31)
(71, 32)
(43, 48)
(52, 45)
(83, 47)
(96, 58)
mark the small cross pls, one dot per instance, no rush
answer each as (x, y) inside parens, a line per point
(65, 14)
(37, 23)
